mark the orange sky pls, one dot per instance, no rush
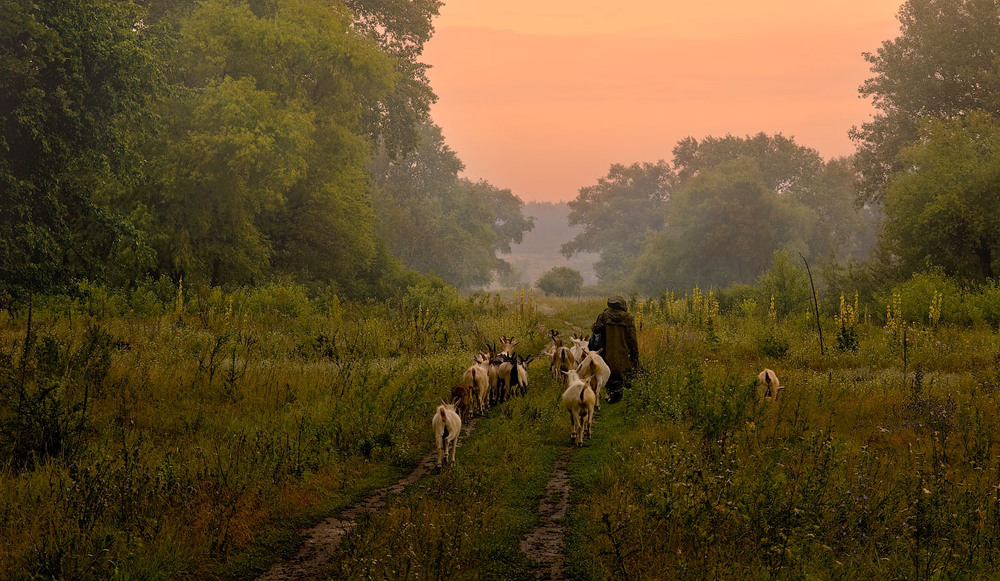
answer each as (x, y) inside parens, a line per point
(543, 96)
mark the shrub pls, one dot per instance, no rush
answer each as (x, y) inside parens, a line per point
(787, 284)
(774, 344)
(917, 294)
(740, 298)
(288, 299)
(561, 281)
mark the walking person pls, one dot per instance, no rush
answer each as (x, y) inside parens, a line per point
(616, 326)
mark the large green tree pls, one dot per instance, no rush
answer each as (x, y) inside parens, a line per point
(76, 79)
(439, 223)
(944, 62)
(262, 163)
(400, 27)
(841, 229)
(618, 213)
(723, 227)
(942, 209)
(786, 167)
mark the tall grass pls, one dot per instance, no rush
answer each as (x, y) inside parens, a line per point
(171, 434)
(165, 435)
(874, 462)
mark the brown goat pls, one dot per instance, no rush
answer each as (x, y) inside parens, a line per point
(461, 396)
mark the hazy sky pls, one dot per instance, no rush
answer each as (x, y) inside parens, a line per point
(542, 96)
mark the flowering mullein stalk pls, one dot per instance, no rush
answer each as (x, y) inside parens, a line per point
(847, 315)
(894, 316)
(935, 311)
(180, 297)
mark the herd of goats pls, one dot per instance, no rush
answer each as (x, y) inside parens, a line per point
(497, 373)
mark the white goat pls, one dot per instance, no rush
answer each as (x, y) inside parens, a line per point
(593, 365)
(522, 374)
(579, 400)
(579, 348)
(771, 384)
(562, 362)
(447, 425)
(477, 378)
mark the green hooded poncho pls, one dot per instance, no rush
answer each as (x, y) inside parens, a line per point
(621, 347)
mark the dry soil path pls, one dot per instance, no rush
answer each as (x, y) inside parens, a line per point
(545, 543)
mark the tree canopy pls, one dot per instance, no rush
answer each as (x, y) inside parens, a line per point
(723, 227)
(439, 223)
(943, 63)
(942, 209)
(76, 83)
(229, 141)
(617, 213)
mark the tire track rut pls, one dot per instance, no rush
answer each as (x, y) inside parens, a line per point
(323, 539)
(546, 542)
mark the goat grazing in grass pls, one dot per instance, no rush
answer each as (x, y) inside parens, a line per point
(771, 384)
(594, 366)
(447, 425)
(579, 400)
(461, 396)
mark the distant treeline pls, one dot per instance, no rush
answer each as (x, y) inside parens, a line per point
(919, 194)
(235, 142)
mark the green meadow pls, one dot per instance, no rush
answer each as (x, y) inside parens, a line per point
(165, 436)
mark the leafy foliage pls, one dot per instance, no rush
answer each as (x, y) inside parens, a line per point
(618, 212)
(943, 63)
(77, 81)
(561, 281)
(439, 223)
(942, 211)
(724, 227)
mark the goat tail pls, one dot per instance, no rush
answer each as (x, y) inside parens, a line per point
(443, 417)
(583, 392)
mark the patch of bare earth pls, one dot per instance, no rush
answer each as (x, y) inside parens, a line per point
(544, 544)
(323, 539)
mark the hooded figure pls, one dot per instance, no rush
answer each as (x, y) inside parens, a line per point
(621, 347)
